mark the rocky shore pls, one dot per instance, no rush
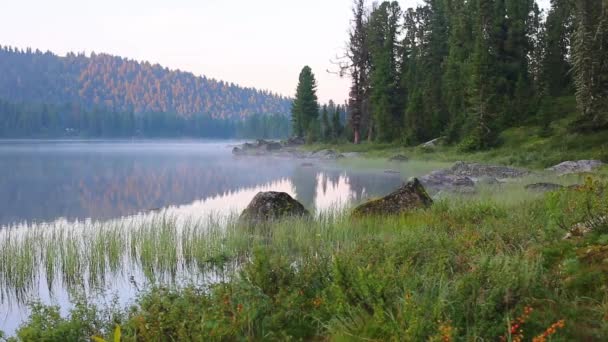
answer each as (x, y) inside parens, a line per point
(287, 148)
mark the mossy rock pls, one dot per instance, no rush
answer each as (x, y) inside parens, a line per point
(410, 196)
(270, 206)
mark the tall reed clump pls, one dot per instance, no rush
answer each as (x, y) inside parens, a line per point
(461, 270)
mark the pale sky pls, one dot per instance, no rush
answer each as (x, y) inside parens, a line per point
(256, 43)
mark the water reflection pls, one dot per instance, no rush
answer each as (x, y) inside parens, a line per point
(77, 180)
(76, 188)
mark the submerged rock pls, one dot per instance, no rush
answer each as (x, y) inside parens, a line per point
(272, 205)
(399, 158)
(408, 197)
(578, 166)
(544, 187)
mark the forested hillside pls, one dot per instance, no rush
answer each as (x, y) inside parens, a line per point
(469, 69)
(42, 94)
(124, 85)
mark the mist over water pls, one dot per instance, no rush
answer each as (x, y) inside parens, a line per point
(43, 181)
(78, 188)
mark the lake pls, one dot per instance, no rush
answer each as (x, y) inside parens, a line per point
(77, 187)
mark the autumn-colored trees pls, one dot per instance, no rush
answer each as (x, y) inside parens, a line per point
(123, 85)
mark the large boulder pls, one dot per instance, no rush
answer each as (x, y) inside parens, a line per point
(408, 197)
(270, 206)
(578, 166)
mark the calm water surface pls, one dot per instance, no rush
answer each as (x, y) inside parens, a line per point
(68, 183)
(42, 181)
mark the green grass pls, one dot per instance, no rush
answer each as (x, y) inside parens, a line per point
(461, 270)
(526, 146)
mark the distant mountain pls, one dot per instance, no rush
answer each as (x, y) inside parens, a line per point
(122, 85)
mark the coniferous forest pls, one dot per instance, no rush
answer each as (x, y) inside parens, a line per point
(468, 69)
(44, 95)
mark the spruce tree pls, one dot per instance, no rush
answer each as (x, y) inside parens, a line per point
(325, 126)
(383, 31)
(336, 124)
(590, 60)
(305, 108)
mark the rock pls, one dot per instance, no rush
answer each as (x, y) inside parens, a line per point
(294, 141)
(568, 167)
(237, 151)
(442, 180)
(399, 158)
(392, 171)
(462, 177)
(431, 144)
(475, 171)
(351, 154)
(584, 228)
(307, 164)
(271, 205)
(408, 197)
(327, 154)
(543, 187)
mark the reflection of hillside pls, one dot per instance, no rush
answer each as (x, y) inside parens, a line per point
(90, 180)
(89, 186)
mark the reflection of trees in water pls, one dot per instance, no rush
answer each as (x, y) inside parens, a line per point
(46, 187)
(361, 184)
(42, 186)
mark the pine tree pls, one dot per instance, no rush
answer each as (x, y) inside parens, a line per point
(590, 60)
(556, 64)
(336, 124)
(305, 108)
(383, 32)
(481, 130)
(359, 71)
(325, 126)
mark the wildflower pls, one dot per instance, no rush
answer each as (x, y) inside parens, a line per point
(550, 331)
(317, 302)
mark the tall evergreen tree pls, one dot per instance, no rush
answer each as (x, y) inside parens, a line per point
(591, 62)
(556, 64)
(481, 131)
(383, 32)
(325, 125)
(336, 124)
(305, 108)
(358, 55)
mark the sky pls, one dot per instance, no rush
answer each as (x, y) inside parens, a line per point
(254, 43)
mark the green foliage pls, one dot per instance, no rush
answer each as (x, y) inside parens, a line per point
(469, 70)
(464, 268)
(84, 321)
(122, 85)
(305, 108)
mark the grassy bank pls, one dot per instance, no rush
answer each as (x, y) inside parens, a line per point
(526, 146)
(463, 270)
